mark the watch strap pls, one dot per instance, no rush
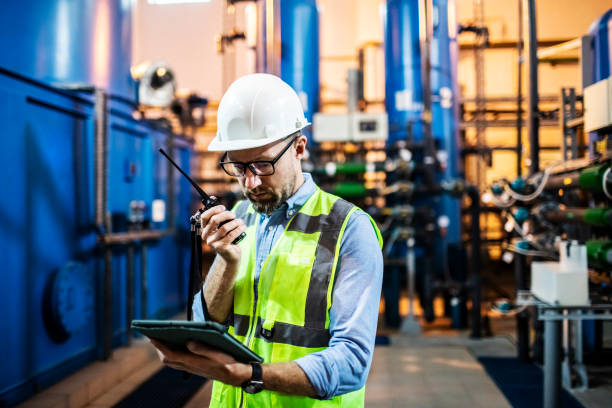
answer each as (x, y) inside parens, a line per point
(257, 371)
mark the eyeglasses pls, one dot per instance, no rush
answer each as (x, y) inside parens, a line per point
(258, 167)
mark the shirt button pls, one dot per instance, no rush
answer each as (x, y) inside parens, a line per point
(290, 213)
(270, 228)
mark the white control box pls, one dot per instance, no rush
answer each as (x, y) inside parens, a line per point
(598, 105)
(565, 282)
(350, 127)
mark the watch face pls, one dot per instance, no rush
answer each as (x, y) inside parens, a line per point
(253, 387)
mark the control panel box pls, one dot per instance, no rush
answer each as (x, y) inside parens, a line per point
(350, 127)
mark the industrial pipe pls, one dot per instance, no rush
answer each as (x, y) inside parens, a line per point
(100, 158)
(594, 178)
(119, 238)
(474, 195)
(599, 217)
(533, 118)
(519, 94)
(600, 252)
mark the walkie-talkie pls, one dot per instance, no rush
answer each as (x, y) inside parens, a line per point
(207, 201)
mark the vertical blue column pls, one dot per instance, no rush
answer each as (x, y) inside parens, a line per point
(445, 124)
(300, 52)
(403, 81)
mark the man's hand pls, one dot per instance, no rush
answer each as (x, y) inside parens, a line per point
(220, 238)
(206, 362)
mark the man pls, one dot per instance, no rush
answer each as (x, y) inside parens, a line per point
(302, 289)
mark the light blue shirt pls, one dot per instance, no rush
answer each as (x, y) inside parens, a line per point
(344, 366)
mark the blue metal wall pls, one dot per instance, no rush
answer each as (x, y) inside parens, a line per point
(300, 52)
(46, 211)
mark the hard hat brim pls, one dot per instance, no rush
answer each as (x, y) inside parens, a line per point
(217, 145)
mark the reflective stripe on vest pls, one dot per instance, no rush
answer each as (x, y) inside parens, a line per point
(283, 333)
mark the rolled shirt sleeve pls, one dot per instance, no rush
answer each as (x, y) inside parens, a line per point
(344, 366)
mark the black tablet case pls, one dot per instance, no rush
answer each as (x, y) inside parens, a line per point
(176, 333)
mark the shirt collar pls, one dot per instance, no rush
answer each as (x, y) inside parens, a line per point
(297, 200)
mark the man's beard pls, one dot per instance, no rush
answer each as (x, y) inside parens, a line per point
(271, 201)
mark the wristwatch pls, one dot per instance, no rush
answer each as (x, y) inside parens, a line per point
(255, 384)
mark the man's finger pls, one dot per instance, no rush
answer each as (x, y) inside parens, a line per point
(199, 349)
(213, 223)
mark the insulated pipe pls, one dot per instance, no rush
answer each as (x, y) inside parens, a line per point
(533, 119)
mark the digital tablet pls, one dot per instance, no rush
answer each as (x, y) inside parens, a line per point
(176, 334)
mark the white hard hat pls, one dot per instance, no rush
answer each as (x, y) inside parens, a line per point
(257, 109)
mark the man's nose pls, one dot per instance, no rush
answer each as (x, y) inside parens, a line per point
(251, 180)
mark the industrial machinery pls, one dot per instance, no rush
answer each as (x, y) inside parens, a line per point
(558, 222)
(402, 165)
(92, 219)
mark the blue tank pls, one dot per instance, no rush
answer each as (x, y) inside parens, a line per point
(602, 46)
(404, 89)
(299, 65)
(403, 82)
(70, 41)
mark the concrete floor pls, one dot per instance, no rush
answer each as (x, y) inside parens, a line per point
(438, 368)
(429, 376)
(406, 373)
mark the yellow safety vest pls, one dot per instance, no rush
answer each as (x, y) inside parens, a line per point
(291, 316)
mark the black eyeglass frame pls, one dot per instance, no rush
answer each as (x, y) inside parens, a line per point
(249, 165)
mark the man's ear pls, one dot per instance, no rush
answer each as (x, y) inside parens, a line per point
(300, 147)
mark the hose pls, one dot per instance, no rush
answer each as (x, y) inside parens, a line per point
(529, 252)
(533, 195)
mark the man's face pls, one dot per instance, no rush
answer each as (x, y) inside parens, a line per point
(268, 193)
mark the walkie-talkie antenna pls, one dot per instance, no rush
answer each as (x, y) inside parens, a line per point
(193, 183)
(208, 201)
